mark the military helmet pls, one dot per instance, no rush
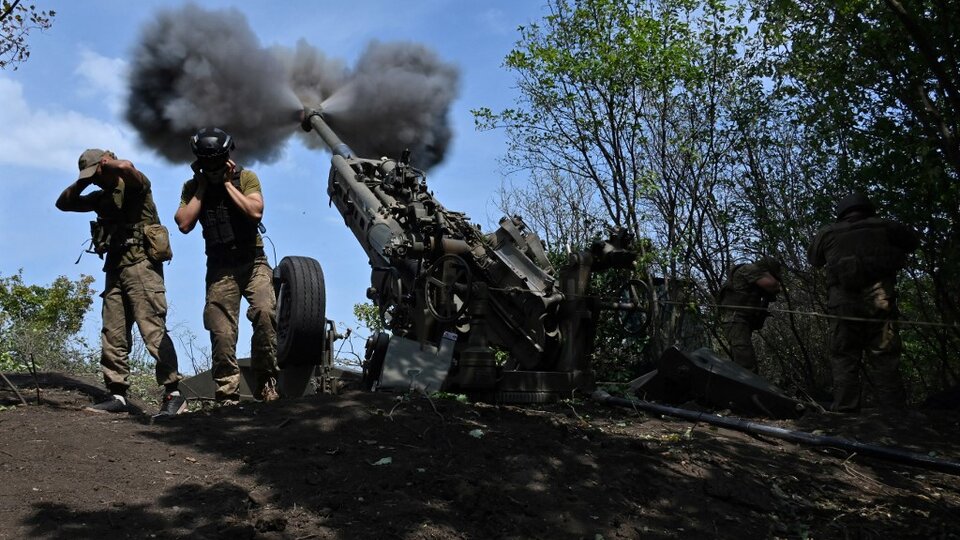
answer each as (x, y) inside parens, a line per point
(855, 202)
(211, 143)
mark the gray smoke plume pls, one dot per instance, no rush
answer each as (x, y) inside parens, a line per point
(195, 67)
(313, 77)
(397, 98)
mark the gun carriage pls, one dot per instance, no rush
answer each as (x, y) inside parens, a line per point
(483, 314)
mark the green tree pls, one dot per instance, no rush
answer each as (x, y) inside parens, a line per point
(874, 89)
(16, 22)
(562, 209)
(636, 98)
(43, 321)
(368, 315)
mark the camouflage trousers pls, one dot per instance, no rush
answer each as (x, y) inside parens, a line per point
(227, 282)
(874, 345)
(135, 294)
(740, 336)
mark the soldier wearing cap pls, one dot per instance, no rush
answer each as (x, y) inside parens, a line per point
(127, 232)
(744, 299)
(862, 255)
(227, 201)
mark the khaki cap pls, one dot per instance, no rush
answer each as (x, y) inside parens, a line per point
(90, 160)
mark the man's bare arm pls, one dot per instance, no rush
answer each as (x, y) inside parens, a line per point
(124, 170)
(71, 199)
(251, 205)
(188, 214)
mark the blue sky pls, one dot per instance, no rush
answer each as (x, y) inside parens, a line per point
(70, 94)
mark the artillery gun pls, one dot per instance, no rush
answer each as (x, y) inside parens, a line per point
(487, 315)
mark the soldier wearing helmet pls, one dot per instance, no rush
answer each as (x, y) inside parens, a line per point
(744, 299)
(227, 201)
(862, 254)
(128, 233)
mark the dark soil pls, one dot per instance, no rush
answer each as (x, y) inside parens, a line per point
(366, 465)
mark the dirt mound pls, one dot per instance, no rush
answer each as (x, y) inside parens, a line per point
(379, 466)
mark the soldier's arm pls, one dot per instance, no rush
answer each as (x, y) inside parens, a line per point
(71, 199)
(250, 203)
(190, 205)
(904, 237)
(123, 169)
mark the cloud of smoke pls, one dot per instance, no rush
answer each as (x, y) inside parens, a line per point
(195, 67)
(396, 98)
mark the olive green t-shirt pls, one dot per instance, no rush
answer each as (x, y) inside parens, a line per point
(249, 183)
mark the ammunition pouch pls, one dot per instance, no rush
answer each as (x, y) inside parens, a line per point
(101, 236)
(110, 237)
(156, 243)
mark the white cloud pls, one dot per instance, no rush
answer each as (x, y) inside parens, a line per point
(495, 21)
(104, 77)
(51, 140)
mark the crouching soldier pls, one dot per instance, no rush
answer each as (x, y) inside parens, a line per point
(744, 299)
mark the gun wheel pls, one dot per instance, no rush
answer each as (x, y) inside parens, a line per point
(447, 288)
(301, 311)
(374, 354)
(635, 321)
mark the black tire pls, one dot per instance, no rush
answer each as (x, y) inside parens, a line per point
(635, 322)
(301, 311)
(375, 354)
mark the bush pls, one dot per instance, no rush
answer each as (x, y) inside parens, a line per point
(41, 324)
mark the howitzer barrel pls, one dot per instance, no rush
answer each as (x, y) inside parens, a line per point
(313, 119)
(362, 209)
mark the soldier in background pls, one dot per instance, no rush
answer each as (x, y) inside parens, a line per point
(862, 255)
(128, 232)
(227, 201)
(744, 299)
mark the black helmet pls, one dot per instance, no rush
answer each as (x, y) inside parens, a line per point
(855, 202)
(211, 143)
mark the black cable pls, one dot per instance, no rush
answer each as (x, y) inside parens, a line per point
(897, 455)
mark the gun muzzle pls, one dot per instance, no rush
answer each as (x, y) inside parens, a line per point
(312, 120)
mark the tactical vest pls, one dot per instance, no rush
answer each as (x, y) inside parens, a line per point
(110, 236)
(862, 254)
(226, 229)
(118, 229)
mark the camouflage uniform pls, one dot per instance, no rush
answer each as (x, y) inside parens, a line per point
(236, 267)
(862, 255)
(134, 290)
(741, 289)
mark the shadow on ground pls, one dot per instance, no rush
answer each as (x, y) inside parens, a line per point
(379, 466)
